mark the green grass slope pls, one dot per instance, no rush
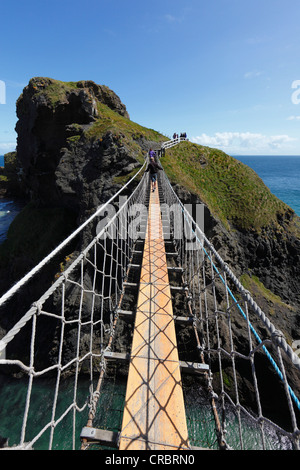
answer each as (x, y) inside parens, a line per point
(232, 191)
(129, 132)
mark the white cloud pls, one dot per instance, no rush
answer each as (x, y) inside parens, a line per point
(237, 142)
(170, 18)
(6, 147)
(293, 118)
(258, 40)
(253, 74)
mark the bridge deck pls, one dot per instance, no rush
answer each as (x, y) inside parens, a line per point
(154, 414)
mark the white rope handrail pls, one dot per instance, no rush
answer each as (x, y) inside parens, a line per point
(42, 263)
(201, 236)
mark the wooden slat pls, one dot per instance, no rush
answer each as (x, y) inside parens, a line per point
(154, 414)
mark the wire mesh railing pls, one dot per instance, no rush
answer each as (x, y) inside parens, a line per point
(253, 370)
(65, 334)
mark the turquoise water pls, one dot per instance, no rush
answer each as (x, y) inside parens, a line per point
(12, 406)
(201, 426)
(200, 420)
(13, 393)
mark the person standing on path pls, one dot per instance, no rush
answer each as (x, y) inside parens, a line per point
(153, 167)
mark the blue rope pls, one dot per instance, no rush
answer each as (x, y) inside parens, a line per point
(294, 397)
(259, 340)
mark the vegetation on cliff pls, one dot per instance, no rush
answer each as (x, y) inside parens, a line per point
(232, 191)
(88, 112)
(9, 178)
(76, 147)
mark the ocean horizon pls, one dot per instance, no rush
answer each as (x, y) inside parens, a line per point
(280, 173)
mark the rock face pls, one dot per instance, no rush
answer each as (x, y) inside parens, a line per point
(60, 166)
(76, 146)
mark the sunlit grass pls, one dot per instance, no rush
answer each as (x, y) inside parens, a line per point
(232, 191)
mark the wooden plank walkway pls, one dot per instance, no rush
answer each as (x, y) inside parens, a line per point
(154, 414)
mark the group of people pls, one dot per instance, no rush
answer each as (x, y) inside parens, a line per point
(182, 135)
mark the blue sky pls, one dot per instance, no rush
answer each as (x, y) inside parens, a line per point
(221, 70)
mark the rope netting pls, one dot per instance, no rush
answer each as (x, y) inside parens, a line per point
(74, 321)
(248, 357)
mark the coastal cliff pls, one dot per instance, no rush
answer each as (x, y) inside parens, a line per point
(77, 146)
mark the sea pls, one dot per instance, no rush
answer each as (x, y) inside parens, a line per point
(9, 208)
(282, 176)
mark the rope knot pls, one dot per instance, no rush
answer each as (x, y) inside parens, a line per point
(276, 336)
(245, 294)
(38, 306)
(64, 277)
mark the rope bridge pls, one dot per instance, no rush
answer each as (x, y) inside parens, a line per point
(81, 319)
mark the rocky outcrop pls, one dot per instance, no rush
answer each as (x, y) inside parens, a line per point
(60, 165)
(10, 181)
(70, 159)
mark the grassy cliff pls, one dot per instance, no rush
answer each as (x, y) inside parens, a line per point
(76, 145)
(232, 191)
